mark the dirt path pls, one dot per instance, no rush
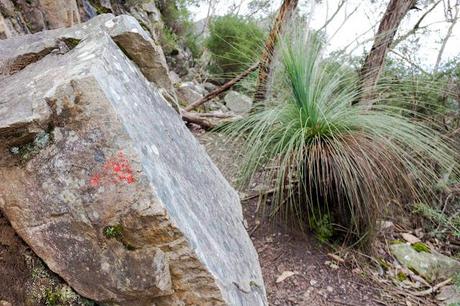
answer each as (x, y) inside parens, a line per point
(313, 281)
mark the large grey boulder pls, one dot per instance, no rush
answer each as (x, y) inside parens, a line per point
(105, 183)
(137, 44)
(431, 266)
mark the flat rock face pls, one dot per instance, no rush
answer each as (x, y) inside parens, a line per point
(100, 176)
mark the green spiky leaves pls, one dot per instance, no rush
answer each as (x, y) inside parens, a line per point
(327, 157)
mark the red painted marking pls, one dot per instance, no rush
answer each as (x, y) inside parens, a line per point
(115, 170)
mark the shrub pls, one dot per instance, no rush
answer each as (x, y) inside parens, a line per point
(327, 157)
(428, 94)
(178, 28)
(169, 41)
(443, 223)
(233, 43)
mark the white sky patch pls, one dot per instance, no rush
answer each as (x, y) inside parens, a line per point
(344, 31)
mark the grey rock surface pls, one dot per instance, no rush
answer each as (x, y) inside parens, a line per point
(449, 295)
(18, 17)
(431, 266)
(237, 102)
(106, 184)
(188, 93)
(18, 52)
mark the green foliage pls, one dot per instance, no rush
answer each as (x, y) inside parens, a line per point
(99, 8)
(29, 150)
(115, 231)
(447, 224)
(234, 42)
(419, 93)
(178, 27)
(325, 156)
(175, 14)
(421, 247)
(169, 41)
(192, 42)
(52, 297)
(64, 295)
(401, 276)
(456, 280)
(322, 227)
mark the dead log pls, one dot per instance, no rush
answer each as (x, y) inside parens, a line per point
(194, 118)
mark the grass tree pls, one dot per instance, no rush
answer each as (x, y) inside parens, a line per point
(334, 166)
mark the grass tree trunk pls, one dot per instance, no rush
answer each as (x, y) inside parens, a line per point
(285, 11)
(374, 62)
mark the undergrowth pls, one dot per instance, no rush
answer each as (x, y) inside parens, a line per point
(329, 159)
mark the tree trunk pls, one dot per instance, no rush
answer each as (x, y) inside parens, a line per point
(453, 21)
(373, 65)
(416, 27)
(285, 11)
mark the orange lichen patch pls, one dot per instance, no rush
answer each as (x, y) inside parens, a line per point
(115, 170)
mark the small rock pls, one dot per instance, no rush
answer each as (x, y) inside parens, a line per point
(306, 295)
(431, 266)
(333, 266)
(329, 288)
(449, 295)
(285, 275)
(384, 225)
(419, 233)
(209, 86)
(188, 93)
(175, 79)
(313, 282)
(410, 238)
(237, 102)
(216, 106)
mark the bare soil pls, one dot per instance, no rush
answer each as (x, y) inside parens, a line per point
(14, 269)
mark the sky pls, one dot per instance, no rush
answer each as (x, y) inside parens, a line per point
(343, 30)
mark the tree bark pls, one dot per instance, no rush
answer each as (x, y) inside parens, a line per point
(285, 11)
(416, 27)
(453, 21)
(374, 62)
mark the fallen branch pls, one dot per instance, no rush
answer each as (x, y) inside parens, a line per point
(433, 289)
(196, 119)
(259, 194)
(222, 89)
(336, 258)
(216, 115)
(207, 121)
